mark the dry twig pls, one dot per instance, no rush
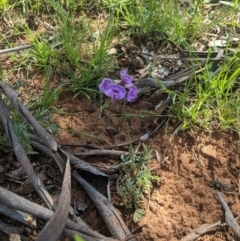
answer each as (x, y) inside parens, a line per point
(102, 152)
(5, 51)
(231, 222)
(203, 229)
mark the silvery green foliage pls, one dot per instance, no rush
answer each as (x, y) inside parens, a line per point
(135, 180)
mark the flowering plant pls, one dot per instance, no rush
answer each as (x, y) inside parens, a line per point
(124, 90)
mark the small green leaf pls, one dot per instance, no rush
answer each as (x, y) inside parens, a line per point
(138, 214)
(78, 238)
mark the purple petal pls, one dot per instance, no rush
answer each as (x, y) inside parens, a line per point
(126, 79)
(103, 85)
(132, 94)
(115, 92)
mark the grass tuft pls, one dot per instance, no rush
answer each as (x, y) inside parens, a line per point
(211, 101)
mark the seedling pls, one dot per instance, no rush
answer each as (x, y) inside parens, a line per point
(135, 180)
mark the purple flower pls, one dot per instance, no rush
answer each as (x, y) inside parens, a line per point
(115, 92)
(132, 93)
(126, 79)
(126, 89)
(103, 85)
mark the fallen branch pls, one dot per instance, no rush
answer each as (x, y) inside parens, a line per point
(14, 201)
(21, 217)
(56, 224)
(22, 157)
(102, 152)
(231, 222)
(114, 222)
